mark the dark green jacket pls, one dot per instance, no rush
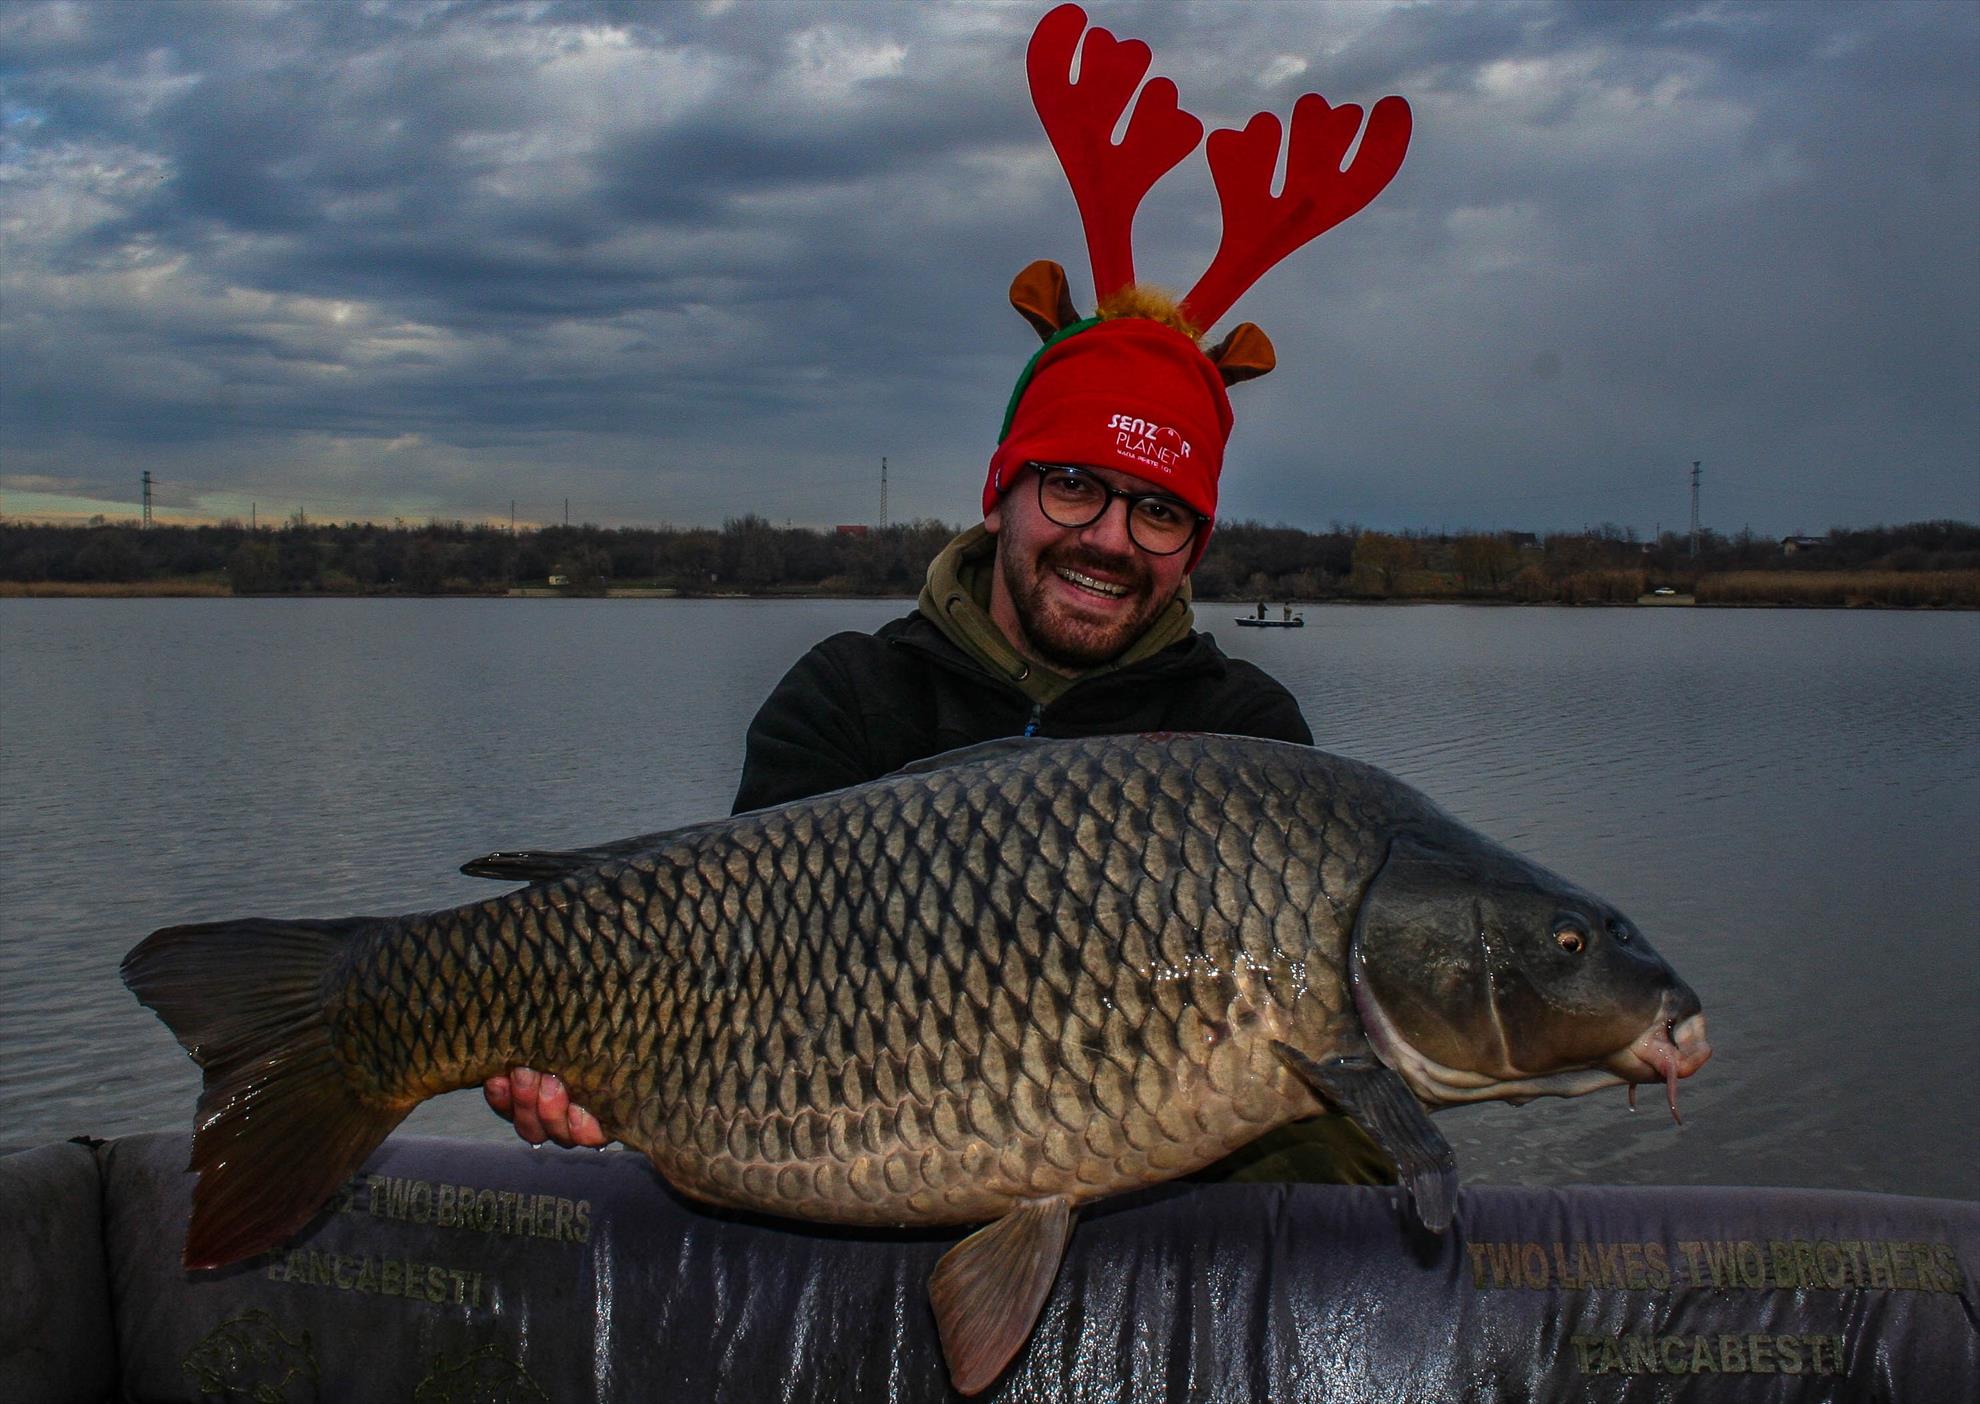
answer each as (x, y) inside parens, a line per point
(860, 706)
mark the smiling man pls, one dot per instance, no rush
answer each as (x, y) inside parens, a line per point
(1065, 613)
(1124, 410)
(1074, 603)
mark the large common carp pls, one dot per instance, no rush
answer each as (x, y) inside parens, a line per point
(994, 986)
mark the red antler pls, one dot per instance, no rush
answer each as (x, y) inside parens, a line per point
(1107, 181)
(1261, 228)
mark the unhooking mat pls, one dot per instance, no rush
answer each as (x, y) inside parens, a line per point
(453, 1271)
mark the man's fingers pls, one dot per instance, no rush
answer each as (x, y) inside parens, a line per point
(585, 1129)
(525, 1096)
(553, 1109)
(540, 1107)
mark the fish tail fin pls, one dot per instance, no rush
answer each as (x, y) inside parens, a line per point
(281, 1123)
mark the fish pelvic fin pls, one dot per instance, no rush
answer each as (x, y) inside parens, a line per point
(1378, 1101)
(281, 1125)
(988, 1290)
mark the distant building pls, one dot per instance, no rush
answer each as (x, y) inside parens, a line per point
(1791, 544)
(855, 530)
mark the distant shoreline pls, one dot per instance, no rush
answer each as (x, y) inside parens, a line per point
(208, 589)
(1922, 564)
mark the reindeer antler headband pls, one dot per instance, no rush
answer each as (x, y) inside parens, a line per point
(1108, 182)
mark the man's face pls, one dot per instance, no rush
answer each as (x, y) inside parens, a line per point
(1075, 597)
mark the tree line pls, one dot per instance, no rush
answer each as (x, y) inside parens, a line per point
(1246, 560)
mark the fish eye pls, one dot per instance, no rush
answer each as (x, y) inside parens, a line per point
(1570, 937)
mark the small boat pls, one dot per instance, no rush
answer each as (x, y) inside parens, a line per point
(1286, 620)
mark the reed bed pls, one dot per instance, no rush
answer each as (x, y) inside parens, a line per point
(1603, 587)
(1844, 589)
(1534, 586)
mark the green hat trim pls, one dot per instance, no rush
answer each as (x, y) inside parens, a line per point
(1031, 367)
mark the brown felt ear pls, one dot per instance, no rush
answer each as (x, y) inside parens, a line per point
(1041, 295)
(1245, 354)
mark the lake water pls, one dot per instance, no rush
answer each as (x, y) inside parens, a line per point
(1787, 802)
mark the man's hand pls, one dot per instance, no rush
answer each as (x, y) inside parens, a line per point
(541, 1109)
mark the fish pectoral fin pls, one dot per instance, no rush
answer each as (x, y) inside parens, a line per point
(987, 1290)
(1377, 1100)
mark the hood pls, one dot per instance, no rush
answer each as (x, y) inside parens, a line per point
(956, 600)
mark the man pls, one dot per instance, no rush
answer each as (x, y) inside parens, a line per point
(1065, 613)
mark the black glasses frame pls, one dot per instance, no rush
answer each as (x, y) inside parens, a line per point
(1133, 500)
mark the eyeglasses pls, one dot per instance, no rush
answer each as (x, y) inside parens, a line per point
(1073, 496)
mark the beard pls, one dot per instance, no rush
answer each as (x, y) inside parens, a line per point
(1058, 632)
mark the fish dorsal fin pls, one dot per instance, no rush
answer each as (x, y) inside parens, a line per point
(978, 751)
(550, 864)
(988, 1289)
(1377, 1100)
(530, 864)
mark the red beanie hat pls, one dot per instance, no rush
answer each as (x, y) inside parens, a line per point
(1128, 394)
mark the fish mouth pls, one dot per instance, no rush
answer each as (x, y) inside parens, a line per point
(1669, 1048)
(1666, 1051)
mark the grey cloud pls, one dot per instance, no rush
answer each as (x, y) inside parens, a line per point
(699, 260)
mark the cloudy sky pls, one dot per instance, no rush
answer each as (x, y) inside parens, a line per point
(679, 262)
